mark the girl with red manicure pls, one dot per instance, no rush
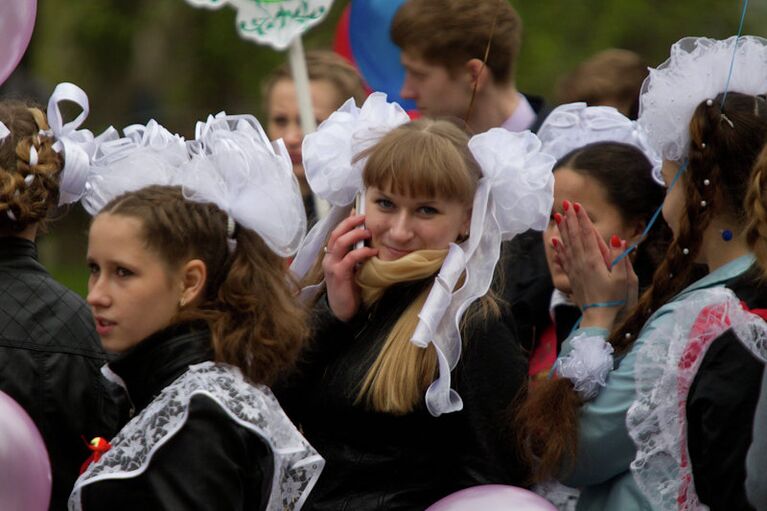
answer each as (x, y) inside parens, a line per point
(646, 418)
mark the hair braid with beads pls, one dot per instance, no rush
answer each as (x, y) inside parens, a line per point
(725, 142)
(28, 190)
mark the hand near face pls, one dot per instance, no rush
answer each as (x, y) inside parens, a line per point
(339, 264)
(587, 259)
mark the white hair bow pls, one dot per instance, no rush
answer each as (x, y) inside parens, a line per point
(574, 125)
(235, 166)
(74, 144)
(515, 194)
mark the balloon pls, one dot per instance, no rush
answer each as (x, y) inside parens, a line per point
(17, 20)
(25, 472)
(362, 36)
(493, 497)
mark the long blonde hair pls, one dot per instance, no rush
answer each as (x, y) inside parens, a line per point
(423, 158)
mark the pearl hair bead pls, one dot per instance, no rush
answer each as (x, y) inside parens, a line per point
(709, 102)
(686, 251)
(706, 182)
(703, 204)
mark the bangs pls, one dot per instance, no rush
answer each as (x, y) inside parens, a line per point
(421, 164)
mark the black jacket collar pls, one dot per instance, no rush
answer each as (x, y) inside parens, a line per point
(161, 358)
(18, 253)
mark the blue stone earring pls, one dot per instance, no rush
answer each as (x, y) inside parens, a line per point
(726, 234)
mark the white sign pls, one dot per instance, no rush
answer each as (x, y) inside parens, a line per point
(272, 22)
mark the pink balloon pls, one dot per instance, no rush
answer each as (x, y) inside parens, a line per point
(17, 20)
(493, 497)
(25, 472)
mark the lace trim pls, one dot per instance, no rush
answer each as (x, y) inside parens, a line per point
(665, 368)
(297, 465)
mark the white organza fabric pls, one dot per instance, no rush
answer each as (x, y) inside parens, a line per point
(696, 70)
(297, 465)
(515, 194)
(332, 172)
(574, 125)
(666, 366)
(144, 156)
(235, 166)
(231, 164)
(76, 146)
(587, 364)
(4, 132)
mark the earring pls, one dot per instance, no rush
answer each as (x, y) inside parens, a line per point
(181, 302)
(726, 234)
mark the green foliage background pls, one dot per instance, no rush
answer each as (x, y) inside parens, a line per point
(165, 59)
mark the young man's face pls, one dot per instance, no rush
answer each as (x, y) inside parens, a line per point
(436, 91)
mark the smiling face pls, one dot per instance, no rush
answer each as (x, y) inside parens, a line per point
(606, 217)
(284, 119)
(131, 290)
(436, 92)
(400, 224)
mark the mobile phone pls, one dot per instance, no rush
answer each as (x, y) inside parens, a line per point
(359, 208)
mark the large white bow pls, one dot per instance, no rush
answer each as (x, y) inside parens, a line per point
(514, 194)
(574, 125)
(74, 144)
(235, 166)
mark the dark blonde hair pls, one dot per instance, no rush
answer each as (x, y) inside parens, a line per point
(720, 153)
(452, 32)
(423, 158)
(22, 202)
(249, 304)
(322, 65)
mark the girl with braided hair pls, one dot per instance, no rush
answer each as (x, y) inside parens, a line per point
(188, 288)
(49, 351)
(648, 408)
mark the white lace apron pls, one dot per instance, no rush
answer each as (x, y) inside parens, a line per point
(297, 465)
(666, 366)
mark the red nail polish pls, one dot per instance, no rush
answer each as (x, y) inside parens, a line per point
(577, 207)
(565, 205)
(555, 242)
(557, 218)
(615, 241)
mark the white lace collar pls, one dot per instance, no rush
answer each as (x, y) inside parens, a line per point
(297, 465)
(665, 368)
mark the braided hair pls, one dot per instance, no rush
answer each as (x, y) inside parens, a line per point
(725, 142)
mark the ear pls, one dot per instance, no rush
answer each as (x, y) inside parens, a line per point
(478, 73)
(194, 275)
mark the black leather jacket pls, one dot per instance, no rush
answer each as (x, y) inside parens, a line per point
(50, 357)
(377, 461)
(211, 463)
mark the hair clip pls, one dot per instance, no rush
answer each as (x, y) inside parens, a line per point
(727, 120)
